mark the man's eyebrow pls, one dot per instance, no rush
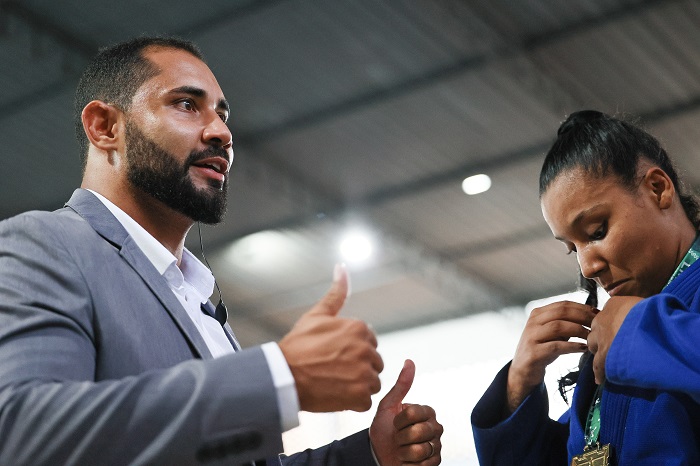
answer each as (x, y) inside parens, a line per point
(191, 90)
(222, 104)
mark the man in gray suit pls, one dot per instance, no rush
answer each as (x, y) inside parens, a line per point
(110, 351)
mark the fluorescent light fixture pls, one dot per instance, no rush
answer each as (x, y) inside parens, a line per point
(476, 184)
(265, 252)
(356, 246)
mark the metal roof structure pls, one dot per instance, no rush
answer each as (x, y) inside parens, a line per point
(369, 114)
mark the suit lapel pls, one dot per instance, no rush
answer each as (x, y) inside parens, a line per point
(106, 225)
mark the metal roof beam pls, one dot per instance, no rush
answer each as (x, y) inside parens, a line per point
(86, 49)
(461, 66)
(335, 208)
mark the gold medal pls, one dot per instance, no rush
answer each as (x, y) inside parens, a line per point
(595, 456)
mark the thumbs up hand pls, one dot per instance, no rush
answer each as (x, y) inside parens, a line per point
(333, 301)
(334, 360)
(405, 433)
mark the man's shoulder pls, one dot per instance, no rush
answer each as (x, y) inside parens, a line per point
(61, 225)
(62, 217)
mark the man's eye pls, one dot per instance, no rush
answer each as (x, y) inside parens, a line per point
(223, 117)
(187, 105)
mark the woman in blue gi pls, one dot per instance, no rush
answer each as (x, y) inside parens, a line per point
(611, 196)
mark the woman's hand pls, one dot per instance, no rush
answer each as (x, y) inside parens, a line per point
(604, 328)
(546, 337)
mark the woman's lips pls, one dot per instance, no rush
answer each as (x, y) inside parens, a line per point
(614, 288)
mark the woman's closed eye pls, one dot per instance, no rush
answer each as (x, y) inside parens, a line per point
(600, 232)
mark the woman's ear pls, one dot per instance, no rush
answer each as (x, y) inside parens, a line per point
(660, 186)
(102, 125)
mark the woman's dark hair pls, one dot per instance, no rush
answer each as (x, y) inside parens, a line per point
(602, 145)
(567, 382)
(115, 74)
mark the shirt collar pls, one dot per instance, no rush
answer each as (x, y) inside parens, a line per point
(192, 269)
(197, 274)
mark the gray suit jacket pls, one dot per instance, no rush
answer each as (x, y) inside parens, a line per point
(100, 364)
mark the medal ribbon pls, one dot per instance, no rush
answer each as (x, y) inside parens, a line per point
(593, 420)
(690, 257)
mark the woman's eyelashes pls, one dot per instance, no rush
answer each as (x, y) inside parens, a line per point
(596, 235)
(600, 232)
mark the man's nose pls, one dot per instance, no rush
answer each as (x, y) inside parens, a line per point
(217, 133)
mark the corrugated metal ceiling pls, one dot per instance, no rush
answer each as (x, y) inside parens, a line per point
(365, 112)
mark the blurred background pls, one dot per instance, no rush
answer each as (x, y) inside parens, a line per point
(356, 123)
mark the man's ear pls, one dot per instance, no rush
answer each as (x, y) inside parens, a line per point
(660, 186)
(102, 123)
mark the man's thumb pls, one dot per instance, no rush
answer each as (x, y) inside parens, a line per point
(333, 301)
(403, 384)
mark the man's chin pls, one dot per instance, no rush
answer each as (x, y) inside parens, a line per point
(211, 212)
(212, 222)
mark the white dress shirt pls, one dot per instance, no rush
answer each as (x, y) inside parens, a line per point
(192, 283)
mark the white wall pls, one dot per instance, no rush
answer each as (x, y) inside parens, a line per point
(455, 362)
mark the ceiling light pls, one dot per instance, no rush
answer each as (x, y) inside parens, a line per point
(356, 247)
(476, 184)
(263, 252)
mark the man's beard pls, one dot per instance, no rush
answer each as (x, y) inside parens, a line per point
(156, 172)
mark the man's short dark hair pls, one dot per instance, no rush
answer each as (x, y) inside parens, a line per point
(116, 73)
